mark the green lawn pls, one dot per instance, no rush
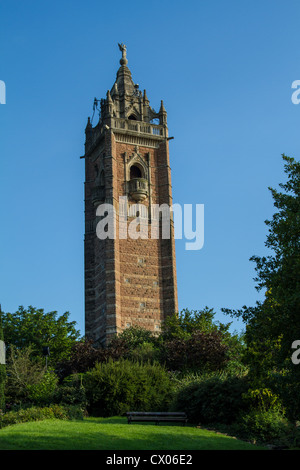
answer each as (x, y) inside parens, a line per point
(112, 434)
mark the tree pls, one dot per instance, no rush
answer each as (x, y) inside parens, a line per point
(199, 352)
(135, 343)
(28, 379)
(183, 324)
(83, 357)
(22, 371)
(274, 324)
(192, 339)
(33, 327)
(84, 354)
(134, 336)
(279, 273)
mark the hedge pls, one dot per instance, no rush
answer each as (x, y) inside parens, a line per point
(39, 414)
(113, 388)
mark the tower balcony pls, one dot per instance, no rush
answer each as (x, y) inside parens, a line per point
(138, 189)
(139, 127)
(98, 195)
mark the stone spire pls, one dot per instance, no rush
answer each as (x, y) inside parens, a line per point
(124, 81)
(125, 100)
(162, 114)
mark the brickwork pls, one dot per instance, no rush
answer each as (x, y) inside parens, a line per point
(128, 282)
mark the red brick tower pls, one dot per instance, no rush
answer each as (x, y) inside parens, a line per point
(129, 280)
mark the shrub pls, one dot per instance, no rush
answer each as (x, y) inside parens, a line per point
(134, 336)
(113, 388)
(23, 371)
(82, 358)
(203, 351)
(212, 398)
(262, 399)
(71, 392)
(286, 385)
(42, 392)
(39, 414)
(145, 352)
(266, 426)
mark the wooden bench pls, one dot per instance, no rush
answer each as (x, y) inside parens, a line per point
(156, 417)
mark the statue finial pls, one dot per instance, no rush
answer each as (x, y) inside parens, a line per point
(123, 49)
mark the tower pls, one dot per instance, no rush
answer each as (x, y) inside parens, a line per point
(130, 279)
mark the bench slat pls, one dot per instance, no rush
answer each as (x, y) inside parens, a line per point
(156, 416)
(152, 413)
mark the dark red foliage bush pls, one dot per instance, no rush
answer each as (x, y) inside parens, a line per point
(201, 351)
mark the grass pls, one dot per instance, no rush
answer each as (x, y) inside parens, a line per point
(113, 434)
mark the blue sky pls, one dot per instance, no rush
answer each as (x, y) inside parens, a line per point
(224, 71)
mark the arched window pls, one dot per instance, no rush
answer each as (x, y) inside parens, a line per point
(135, 172)
(132, 117)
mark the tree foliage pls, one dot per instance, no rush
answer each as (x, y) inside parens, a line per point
(83, 357)
(114, 387)
(23, 371)
(212, 398)
(134, 336)
(189, 327)
(36, 328)
(199, 352)
(186, 322)
(279, 273)
(274, 324)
